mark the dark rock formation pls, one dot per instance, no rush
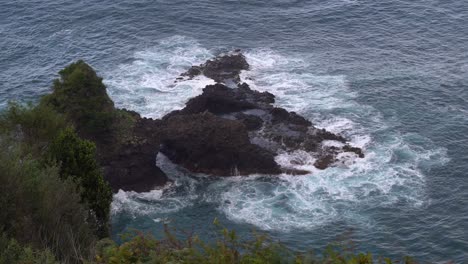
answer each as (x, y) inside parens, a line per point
(229, 129)
(251, 122)
(133, 169)
(210, 144)
(223, 68)
(324, 161)
(126, 143)
(218, 99)
(271, 128)
(129, 163)
(358, 151)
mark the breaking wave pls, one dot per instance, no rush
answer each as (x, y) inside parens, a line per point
(391, 173)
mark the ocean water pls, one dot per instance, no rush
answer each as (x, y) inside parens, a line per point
(392, 76)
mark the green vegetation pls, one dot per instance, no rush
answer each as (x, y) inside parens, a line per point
(41, 210)
(226, 249)
(82, 97)
(31, 128)
(52, 193)
(55, 203)
(77, 159)
(12, 252)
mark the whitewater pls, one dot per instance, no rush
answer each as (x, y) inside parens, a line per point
(390, 174)
(391, 76)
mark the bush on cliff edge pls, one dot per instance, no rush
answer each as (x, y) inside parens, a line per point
(77, 160)
(41, 210)
(82, 97)
(52, 192)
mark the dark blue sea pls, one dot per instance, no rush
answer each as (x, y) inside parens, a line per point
(392, 76)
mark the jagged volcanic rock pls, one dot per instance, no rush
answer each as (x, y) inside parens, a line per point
(224, 68)
(126, 143)
(134, 169)
(130, 163)
(205, 143)
(270, 128)
(229, 129)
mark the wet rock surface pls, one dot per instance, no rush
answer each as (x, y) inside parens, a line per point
(134, 169)
(130, 164)
(206, 143)
(227, 130)
(223, 68)
(253, 115)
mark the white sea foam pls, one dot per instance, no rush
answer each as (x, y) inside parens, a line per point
(298, 159)
(147, 83)
(131, 202)
(390, 173)
(333, 194)
(176, 195)
(296, 90)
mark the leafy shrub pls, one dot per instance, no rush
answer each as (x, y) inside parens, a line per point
(226, 249)
(32, 127)
(81, 95)
(77, 160)
(143, 248)
(39, 131)
(42, 132)
(40, 209)
(11, 252)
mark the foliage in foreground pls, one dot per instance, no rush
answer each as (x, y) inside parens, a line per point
(142, 248)
(52, 192)
(226, 249)
(31, 128)
(12, 252)
(48, 137)
(41, 210)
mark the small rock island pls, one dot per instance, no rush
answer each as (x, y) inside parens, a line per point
(227, 130)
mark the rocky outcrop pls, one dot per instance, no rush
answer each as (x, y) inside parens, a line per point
(205, 143)
(229, 129)
(133, 168)
(270, 128)
(129, 162)
(224, 68)
(126, 143)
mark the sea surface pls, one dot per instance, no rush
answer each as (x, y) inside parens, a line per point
(392, 76)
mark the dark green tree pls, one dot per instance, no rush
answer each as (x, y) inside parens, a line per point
(77, 160)
(81, 95)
